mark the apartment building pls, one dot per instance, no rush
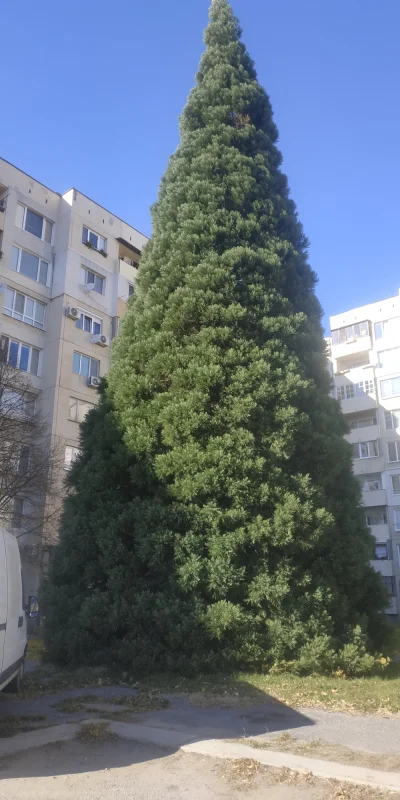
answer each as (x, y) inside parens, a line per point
(365, 363)
(67, 269)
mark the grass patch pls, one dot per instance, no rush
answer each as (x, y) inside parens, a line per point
(35, 649)
(75, 705)
(11, 725)
(92, 732)
(144, 701)
(317, 748)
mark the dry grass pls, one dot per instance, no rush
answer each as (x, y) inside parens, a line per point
(246, 773)
(11, 725)
(317, 748)
(92, 732)
(135, 704)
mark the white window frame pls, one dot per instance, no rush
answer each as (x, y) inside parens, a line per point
(394, 417)
(383, 545)
(369, 447)
(75, 416)
(86, 271)
(101, 240)
(10, 312)
(373, 512)
(396, 522)
(40, 261)
(14, 403)
(355, 425)
(395, 479)
(20, 344)
(93, 320)
(345, 391)
(22, 218)
(394, 351)
(70, 454)
(366, 482)
(350, 332)
(397, 446)
(91, 359)
(395, 393)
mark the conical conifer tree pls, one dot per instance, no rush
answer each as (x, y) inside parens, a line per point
(248, 545)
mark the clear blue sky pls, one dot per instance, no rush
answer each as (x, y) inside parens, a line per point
(92, 90)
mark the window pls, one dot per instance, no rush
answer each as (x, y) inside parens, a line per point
(365, 387)
(78, 409)
(392, 420)
(350, 333)
(345, 392)
(21, 356)
(376, 516)
(366, 449)
(396, 519)
(17, 512)
(389, 359)
(393, 451)
(386, 327)
(34, 223)
(131, 290)
(24, 308)
(71, 453)
(390, 584)
(395, 484)
(17, 404)
(93, 239)
(371, 484)
(23, 461)
(390, 387)
(88, 323)
(84, 365)
(381, 551)
(30, 265)
(364, 422)
(96, 281)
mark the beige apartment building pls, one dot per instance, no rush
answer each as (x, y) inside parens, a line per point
(67, 269)
(365, 363)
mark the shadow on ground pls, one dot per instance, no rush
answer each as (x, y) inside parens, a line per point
(193, 722)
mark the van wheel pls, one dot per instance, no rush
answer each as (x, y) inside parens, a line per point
(15, 685)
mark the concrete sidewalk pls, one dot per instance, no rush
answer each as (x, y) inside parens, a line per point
(212, 748)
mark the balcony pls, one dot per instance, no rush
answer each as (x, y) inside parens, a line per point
(128, 269)
(361, 402)
(381, 534)
(384, 566)
(361, 345)
(367, 434)
(376, 498)
(366, 466)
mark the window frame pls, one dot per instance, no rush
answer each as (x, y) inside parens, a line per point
(90, 359)
(386, 549)
(94, 320)
(74, 454)
(350, 333)
(97, 276)
(40, 262)
(372, 422)
(77, 402)
(397, 446)
(10, 312)
(98, 237)
(31, 349)
(393, 393)
(38, 214)
(396, 524)
(17, 515)
(369, 443)
(383, 521)
(367, 479)
(392, 589)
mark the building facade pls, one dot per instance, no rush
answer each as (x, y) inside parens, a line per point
(67, 269)
(365, 364)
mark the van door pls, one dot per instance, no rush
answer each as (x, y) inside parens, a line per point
(3, 598)
(15, 642)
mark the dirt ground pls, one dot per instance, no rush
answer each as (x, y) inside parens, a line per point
(131, 771)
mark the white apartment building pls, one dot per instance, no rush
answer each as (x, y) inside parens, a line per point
(67, 269)
(365, 361)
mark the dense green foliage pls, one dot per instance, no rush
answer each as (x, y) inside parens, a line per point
(216, 520)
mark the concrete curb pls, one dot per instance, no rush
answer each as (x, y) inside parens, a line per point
(214, 748)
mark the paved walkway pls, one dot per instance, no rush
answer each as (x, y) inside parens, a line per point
(368, 733)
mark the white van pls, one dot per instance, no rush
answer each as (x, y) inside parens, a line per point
(13, 638)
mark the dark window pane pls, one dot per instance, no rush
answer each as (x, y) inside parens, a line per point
(13, 354)
(98, 284)
(29, 265)
(87, 323)
(23, 460)
(84, 234)
(93, 239)
(34, 223)
(76, 363)
(94, 368)
(24, 358)
(96, 327)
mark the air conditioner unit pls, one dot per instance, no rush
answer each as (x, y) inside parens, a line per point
(72, 312)
(94, 382)
(99, 338)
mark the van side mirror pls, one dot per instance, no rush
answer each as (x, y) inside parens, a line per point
(33, 607)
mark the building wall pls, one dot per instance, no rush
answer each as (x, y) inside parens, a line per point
(67, 256)
(358, 372)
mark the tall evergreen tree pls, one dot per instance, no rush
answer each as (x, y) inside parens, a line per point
(247, 544)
